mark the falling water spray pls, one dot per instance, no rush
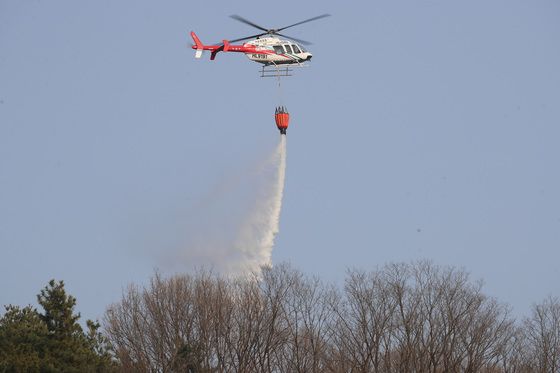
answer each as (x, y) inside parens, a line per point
(256, 236)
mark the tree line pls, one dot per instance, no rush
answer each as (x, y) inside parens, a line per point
(415, 317)
(407, 317)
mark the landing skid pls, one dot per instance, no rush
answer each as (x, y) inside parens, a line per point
(276, 71)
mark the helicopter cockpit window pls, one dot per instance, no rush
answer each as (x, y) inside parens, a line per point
(278, 49)
(303, 50)
(288, 48)
(296, 49)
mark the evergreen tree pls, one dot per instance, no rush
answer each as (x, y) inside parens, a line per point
(71, 349)
(23, 340)
(66, 338)
(52, 341)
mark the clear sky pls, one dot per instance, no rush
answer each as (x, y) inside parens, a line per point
(423, 129)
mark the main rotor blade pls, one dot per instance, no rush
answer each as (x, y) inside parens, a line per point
(246, 21)
(307, 20)
(296, 40)
(248, 37)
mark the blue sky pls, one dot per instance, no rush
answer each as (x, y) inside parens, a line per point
(421, 130)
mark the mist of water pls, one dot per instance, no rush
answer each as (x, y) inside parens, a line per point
(232, 229)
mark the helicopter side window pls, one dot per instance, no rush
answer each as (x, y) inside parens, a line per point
(288, 48)
(296, 49)
(278, 49)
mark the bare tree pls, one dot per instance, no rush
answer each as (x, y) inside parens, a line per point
(363, 323)
(542, 330)
(150, 327)
(418, 317)
(307, 314)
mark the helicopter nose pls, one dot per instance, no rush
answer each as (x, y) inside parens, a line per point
(309, 57)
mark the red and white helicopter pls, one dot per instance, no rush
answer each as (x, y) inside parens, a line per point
(268, 50)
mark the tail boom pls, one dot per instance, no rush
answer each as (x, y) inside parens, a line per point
(214, 49)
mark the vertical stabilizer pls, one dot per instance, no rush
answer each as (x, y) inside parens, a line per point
(197, 45)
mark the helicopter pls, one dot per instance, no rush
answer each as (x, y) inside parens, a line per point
(265, 48)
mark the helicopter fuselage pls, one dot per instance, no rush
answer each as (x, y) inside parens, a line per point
(267, 50)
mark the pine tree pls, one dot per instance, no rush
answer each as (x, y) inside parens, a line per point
(69, 347)
(52, 341)
(23, 340)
